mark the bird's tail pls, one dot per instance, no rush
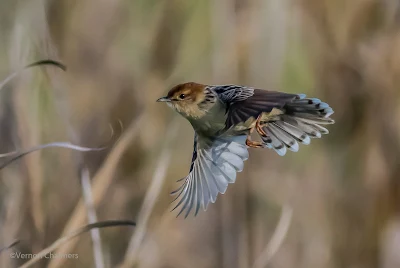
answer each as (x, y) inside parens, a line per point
(301, 120)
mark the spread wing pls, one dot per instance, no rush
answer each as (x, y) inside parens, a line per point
(252, 106)
(214, 165)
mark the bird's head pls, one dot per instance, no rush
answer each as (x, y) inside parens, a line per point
(185, 99)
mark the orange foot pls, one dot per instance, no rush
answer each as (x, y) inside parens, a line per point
(253, 144)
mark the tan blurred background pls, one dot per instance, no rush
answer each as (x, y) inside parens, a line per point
(342, 190)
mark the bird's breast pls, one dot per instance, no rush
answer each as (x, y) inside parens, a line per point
(212, 121)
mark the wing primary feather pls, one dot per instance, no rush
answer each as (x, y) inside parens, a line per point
(184, 199)
(213, 180)
(214, 167)
(181, 179)
(199, 198)
(177, 190)
(212, 175)
(200, 193)
(208, 192)
(184, 196)
(180, 193)
(192, 196)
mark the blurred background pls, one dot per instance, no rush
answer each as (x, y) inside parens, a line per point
(336, 202)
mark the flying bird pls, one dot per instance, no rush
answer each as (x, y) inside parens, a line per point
(223, 118)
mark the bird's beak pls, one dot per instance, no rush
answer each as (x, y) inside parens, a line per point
(163, 99)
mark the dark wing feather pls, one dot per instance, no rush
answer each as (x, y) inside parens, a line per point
(194, 156)
(261, 101)
(231, 93)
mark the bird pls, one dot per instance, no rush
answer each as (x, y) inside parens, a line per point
(223, 118)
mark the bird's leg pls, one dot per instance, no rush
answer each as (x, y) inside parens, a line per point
(264, 136)
(255, 144)
(259, 129)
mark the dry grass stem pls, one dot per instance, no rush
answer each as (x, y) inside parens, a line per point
(150, 198)
(65, 144)
(82, 230)
(277, 238)
(38, 63)
(100, 183)
(92, 218)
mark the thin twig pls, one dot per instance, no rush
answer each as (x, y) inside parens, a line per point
(38, 63)
(65, 144)
(61, 144)
(277, 238)
(150, 198)
(92, 218)
(4, 155)
(66, 238)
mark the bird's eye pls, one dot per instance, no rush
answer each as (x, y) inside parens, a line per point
(182, 96)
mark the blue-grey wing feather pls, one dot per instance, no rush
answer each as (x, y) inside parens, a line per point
(214, 166)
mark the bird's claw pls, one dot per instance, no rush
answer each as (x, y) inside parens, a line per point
(254, 144)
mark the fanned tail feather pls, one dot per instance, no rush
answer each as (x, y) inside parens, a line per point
(301, 120)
